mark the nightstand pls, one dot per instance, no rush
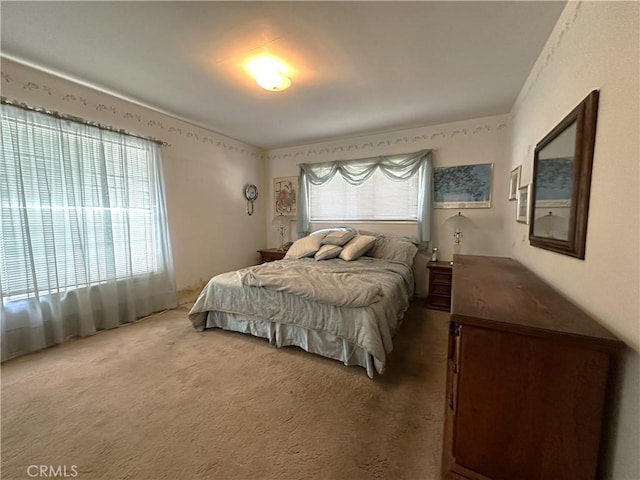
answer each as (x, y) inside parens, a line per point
(271, 254)
(440, 280)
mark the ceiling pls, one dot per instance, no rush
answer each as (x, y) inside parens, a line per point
(356, 67)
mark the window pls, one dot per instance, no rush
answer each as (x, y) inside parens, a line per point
(385, 187)
(378, 198)
(77, 206)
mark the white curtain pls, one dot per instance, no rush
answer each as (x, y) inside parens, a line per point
(356, 172)
(84, 243)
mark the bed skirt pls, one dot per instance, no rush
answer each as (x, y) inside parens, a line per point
(281, 335)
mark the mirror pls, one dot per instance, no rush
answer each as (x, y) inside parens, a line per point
(562, 181)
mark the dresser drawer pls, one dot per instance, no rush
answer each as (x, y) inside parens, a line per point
(440, 279)
(440, 289)
(440, 302)
(443, 278)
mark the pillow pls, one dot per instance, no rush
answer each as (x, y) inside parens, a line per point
(339, 237)
(357, 247)
(399, 249)
(328, 251)
(331, 229)
(304, 247)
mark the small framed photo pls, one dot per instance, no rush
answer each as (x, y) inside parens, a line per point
(285, 199)
(514, 182)
(523, 206)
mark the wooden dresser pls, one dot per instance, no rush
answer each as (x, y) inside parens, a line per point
(526, 380)
(439, 295)
(271, 254)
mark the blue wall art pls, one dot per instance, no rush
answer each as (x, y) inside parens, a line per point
(554, 184)
(466, 186)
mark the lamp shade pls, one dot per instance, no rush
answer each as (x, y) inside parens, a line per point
(459, 221)
(551, 226)
(281, 221)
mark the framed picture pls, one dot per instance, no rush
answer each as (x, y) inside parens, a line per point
(523, 206)
(285, 191)
(554, 182)
(466, 186)
(514, 182)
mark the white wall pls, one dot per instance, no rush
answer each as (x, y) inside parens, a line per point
(481, 140)
(204, 173)
(595, 45)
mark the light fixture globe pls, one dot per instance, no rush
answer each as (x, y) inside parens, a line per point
(273, 81)
(270, 73)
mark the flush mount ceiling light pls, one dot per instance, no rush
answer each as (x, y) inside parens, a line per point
(270, 74)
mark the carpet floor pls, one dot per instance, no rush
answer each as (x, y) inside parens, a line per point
(156, 400)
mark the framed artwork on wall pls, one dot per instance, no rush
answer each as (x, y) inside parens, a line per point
(466, 186)
(555, 182)
(514, 182)
(523, 206)
(285, 191)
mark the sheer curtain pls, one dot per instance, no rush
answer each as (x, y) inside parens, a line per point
(84, 243)
(356, 172)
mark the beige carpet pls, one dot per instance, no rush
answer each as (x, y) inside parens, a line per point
(157, 400)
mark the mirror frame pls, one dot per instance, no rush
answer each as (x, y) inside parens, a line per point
(585, 116)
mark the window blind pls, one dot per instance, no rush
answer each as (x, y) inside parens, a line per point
(77, 207)
(377, 199)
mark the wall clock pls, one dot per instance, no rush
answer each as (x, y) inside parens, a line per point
(251, 194)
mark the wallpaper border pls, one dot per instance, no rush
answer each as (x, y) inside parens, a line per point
(159, 126)
(396, 138)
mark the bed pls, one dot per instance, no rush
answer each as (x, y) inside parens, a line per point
(339, 293)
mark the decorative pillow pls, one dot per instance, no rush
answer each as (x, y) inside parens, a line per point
(357, 247)
(328, 251)
(330, 229)
(398, 249)
(305, 247)
(338, 238)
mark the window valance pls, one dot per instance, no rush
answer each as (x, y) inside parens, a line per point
(356, 172)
